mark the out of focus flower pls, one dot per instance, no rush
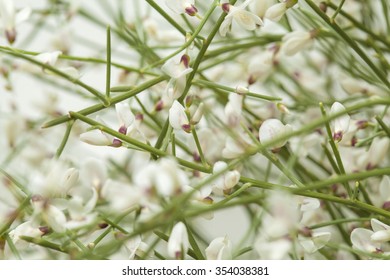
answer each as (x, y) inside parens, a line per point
(296, 41)
(10, 18)
(182, 6)
(277, 11)
(272, 129)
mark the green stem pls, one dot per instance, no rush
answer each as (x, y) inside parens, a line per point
(335, 150)
(108, 65)
(212, 85)
(136, 143)
(61, 148)
(58, 72)
(383, 125)
(97, 107)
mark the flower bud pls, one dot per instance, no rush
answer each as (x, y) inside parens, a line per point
(272, 129)
(219, 249)
(178, 118)
(178, 241)
(340, 124)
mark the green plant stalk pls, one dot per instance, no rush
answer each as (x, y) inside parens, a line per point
(97, 107)
(350, 42)
(58, 72)
(137, 143)
(5, 227)
(360, 25)
(191, 75)
(321, 121)
(229, 89)
(383, 125)
(189, 40)
(342, 178)
(353, 204)
(61, 148)
(199, 147)
(12, 246)
(337, 10)
(335, 150)
(108, 65)
(194, 244)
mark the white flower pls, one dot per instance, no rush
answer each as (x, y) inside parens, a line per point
(97, 138)
(49, 58)
(237, 146)
(275, 12)
(272, 129)
(384, 191)
(163, 176)
(361, 240)
(177, 68)
(296, 41)
(278, 10)
(261, 6)
(315, 242)
(9, 18)
(25, 229)
(120, 196)
(219, 249)
(178, 241)
(233, 109)
(245, 19)
(381, 231)
(340, 124)
(182, 6)
(226, 181)
(375, 154)
(178, 118)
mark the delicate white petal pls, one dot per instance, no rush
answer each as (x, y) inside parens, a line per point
(225, 26)
(361, 240)
(340, 124)
(276, 11)
(384, 188)
(296, 41)
(177, 116)
(247, 20)
(272, 129)
(377, 225)
(22, 15)
(219, 249)
(178, 241)
(124, 114)
(96, 137)
(49, 58)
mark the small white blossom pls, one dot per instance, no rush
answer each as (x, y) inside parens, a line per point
(272, 129)
(226, 181)
(245, 19)
(182, 6)
(340, 124)
(296, 41)
(219, 249)
(178, 241)
(178, 118)
(10, 18)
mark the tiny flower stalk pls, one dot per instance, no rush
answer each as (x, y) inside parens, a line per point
(340, 126)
